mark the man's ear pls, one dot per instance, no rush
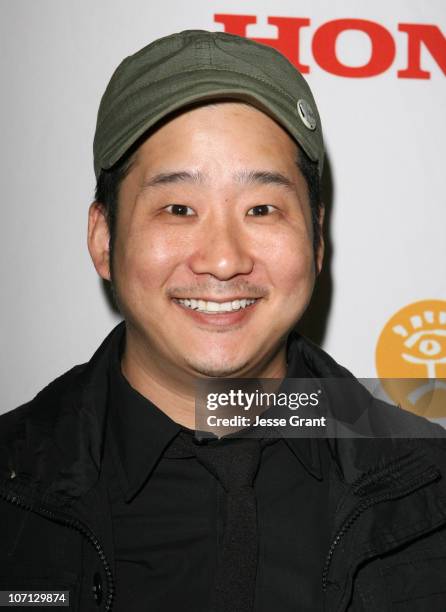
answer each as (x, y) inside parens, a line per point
(321, 246)
(98, 239)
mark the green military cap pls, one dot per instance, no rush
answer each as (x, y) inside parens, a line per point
(193, 66)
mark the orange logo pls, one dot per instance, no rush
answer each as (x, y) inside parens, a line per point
(412, 346)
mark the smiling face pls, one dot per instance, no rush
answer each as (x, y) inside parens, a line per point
(213, 260)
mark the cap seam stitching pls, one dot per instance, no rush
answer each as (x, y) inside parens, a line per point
(210, 35)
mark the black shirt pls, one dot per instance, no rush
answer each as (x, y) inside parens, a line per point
(167, 512)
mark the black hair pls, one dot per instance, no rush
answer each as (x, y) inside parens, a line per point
(310, 172)
(107, 191)
(109, 183)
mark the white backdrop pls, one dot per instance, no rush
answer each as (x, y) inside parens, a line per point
(385, 143)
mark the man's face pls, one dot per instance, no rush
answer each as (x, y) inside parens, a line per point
(213, 261)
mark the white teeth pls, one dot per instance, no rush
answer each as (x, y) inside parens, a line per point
(215, 307)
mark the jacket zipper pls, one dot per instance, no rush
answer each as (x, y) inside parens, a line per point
(73, 524)
(413, 485)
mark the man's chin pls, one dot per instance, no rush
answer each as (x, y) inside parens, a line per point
(218, 370)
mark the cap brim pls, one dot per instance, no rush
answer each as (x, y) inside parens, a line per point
(203, 87)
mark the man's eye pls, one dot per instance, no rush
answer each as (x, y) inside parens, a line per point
(180, 210)
(261, 210)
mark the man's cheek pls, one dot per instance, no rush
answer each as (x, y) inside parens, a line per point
(289, 260)
(152, 263)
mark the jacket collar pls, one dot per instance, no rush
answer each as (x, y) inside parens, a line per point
(57, 439)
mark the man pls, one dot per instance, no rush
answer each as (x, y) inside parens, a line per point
(207, 222)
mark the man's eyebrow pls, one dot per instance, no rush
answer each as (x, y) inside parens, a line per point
(167, 178)
(244, 177)
(264, 177)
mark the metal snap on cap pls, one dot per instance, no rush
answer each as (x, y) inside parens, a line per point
(306, 114)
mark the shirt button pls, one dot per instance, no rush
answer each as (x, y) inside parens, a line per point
(97, 588)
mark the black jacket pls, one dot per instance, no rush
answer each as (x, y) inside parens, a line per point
(387, 508)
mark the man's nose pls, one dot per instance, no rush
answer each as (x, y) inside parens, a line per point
(222, 250)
